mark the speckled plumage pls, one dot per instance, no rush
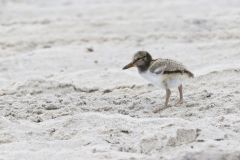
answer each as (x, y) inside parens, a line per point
(168, 66)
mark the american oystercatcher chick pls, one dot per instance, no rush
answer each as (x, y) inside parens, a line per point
(164, 73)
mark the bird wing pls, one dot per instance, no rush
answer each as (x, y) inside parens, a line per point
(160, 66)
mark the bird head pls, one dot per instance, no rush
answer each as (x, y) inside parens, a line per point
(141, 58)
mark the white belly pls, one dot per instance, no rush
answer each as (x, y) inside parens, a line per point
(163, 80)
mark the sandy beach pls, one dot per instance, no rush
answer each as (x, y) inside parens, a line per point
(64, 95)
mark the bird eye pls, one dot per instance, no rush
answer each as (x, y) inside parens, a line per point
(140, 58)
(137, 59)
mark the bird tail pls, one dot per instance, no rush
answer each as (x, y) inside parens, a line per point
(190, 74)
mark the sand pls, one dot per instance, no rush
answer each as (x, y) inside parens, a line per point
(64, 95)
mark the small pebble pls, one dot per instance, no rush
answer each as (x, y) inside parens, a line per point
(90, 49)
(107, 91)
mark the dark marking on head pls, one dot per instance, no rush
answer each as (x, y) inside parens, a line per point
(142, 59)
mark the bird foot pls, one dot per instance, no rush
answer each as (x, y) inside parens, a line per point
(180, 102)
(160, 109)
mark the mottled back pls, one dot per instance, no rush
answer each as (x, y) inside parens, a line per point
(168, 66)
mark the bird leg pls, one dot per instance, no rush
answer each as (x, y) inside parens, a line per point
(168, 93)
(180, 89)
